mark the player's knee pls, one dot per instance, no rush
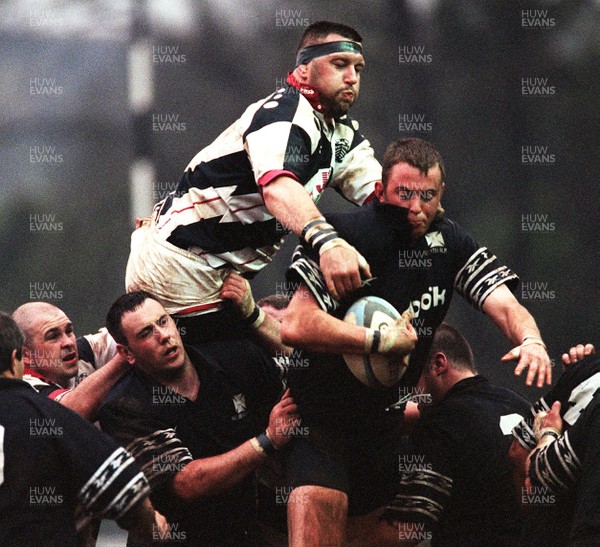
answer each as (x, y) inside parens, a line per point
(327, 501)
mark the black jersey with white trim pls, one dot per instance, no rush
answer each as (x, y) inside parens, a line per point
(566, 473)
(420, 278)
(165, 431)
(51, 461)
(217, 209)
(455, 484)
(575, 389)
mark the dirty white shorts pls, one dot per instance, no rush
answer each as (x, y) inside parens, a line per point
(182, 281)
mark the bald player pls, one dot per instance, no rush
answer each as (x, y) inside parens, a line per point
(52, 362)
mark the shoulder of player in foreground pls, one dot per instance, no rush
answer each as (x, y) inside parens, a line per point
(130, 386)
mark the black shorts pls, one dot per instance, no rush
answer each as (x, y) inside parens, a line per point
(363, 466)
(224, 324)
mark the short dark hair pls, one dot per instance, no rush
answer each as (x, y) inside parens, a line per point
(126, 303)
(276, 301)
(11, 338)
(416, 152)
(449, 341)
(316, 32)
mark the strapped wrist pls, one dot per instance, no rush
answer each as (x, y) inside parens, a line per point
(529, 340)
(266, 444)
(550, 432)
(255, 319)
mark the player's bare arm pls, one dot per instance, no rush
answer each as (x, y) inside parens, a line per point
(217, 474)
(520, 327)
(265, 328)
(292, 206)
(88, 396)
(307, 326)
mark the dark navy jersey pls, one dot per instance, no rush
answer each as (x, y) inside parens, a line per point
(566, 475)
(165, 431)
(420, 278)
(575, 389)
(51, 462)
(217, 209)
(455, 477)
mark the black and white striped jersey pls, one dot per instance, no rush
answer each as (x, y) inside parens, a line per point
(51, 462)
(575, 389)
(217, 209)
(565, 483)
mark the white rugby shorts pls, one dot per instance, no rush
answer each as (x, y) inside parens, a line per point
(182, 281)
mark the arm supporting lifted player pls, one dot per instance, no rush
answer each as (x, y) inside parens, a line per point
(518, 325)
(340, 263)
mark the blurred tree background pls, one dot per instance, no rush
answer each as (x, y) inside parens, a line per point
(506, 89)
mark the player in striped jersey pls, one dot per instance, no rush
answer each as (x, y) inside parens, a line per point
(53, 462)
(260, 179)
(564, 479)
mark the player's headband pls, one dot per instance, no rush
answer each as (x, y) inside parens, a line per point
(307, 54)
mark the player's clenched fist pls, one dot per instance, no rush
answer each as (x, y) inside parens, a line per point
(283, 420)
(342, 266)
(577, 353)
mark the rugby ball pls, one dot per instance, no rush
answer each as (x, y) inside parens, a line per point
(374, 370)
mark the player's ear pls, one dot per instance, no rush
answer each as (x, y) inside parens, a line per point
(16, 363)
(126, 353)
(26, 357)
(440, 363)
(301, 72)
(379, 190)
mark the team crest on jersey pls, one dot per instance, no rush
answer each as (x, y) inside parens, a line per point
(239, 404)
(435, 242)
(342, 147)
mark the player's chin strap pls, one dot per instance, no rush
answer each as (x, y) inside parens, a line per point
(322, 237)
(309, 92)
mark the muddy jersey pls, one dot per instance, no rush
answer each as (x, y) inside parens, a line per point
(217, 209)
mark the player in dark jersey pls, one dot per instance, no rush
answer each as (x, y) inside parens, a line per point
(549, 523)
(257, 181)
(52, 462)
(418, 257)
(76, 372)
(195, 422)
(564, 474)
(454, 486)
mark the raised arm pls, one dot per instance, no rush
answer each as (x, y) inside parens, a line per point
(519, 327)
(87, 397)
(289, 202)
(262, 326)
